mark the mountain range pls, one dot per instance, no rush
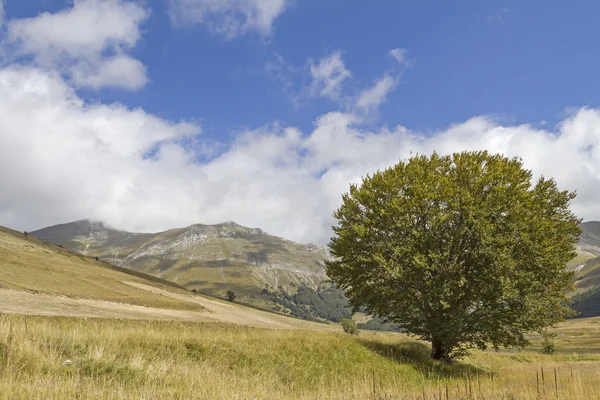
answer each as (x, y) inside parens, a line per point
(212, 259)
(215, 259)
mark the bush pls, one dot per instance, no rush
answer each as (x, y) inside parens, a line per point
(378, 324)
(548, 346)
(349, 326)
(230, 295)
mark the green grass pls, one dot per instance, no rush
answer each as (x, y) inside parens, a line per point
(30, 264)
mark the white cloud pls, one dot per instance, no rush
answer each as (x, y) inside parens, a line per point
(328, 76)
(228, 17)
(70, 160)
(119, 71)
(400, 56)
(371, 98)
(88, 42)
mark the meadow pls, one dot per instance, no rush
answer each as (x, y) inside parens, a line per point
(93, 358)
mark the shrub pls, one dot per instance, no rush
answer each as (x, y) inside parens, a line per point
(349, 326)
(548, 345)
(230, 295)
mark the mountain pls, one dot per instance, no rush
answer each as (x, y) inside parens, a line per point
(261, 269)
(586, 300)
(587, 262)
(41, 278)
(589, 243)
(208, 258)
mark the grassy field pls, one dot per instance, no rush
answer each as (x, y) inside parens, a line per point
(173, 352)
(76, 358)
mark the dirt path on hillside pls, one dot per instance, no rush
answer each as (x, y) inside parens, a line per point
(20, 302)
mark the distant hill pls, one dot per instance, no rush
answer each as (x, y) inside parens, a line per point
(587, 304)
(587, 263)
(208, 258)
(589, 244)
(586, 300)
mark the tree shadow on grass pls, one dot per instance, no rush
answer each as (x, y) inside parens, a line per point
(417, 355)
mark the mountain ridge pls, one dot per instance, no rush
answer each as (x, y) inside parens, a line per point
(255, 265)
(207, 258)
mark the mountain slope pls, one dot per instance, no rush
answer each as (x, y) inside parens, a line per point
(587, 263)
(589, 243)
(213, 259)
(39, 278)
(29, 264)
(208, 258)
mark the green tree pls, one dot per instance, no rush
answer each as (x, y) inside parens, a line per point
(231, 295)
(464, 251)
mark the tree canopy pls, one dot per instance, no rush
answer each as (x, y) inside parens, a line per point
(465, 251)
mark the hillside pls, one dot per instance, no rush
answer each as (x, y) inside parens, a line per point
(29, 264)
(211, 259)
(587, 263)
(39, 278)
(589, 243)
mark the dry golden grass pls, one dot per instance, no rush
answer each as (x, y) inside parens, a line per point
(119, 359)
(29, 264)
(37, 278)
(81, 358)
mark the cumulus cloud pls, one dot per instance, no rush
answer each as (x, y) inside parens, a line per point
(70, 160)
(119, 71)
(328, 76)
(228, 17)
(88, 42)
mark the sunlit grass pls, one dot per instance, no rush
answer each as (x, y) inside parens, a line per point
(29, 264)
(124, 359)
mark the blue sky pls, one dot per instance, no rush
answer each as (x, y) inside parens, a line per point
(156, 114)
(520, 61)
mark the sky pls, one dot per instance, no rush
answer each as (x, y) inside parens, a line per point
(155, 114)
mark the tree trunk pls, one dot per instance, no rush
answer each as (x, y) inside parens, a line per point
(438, 352)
